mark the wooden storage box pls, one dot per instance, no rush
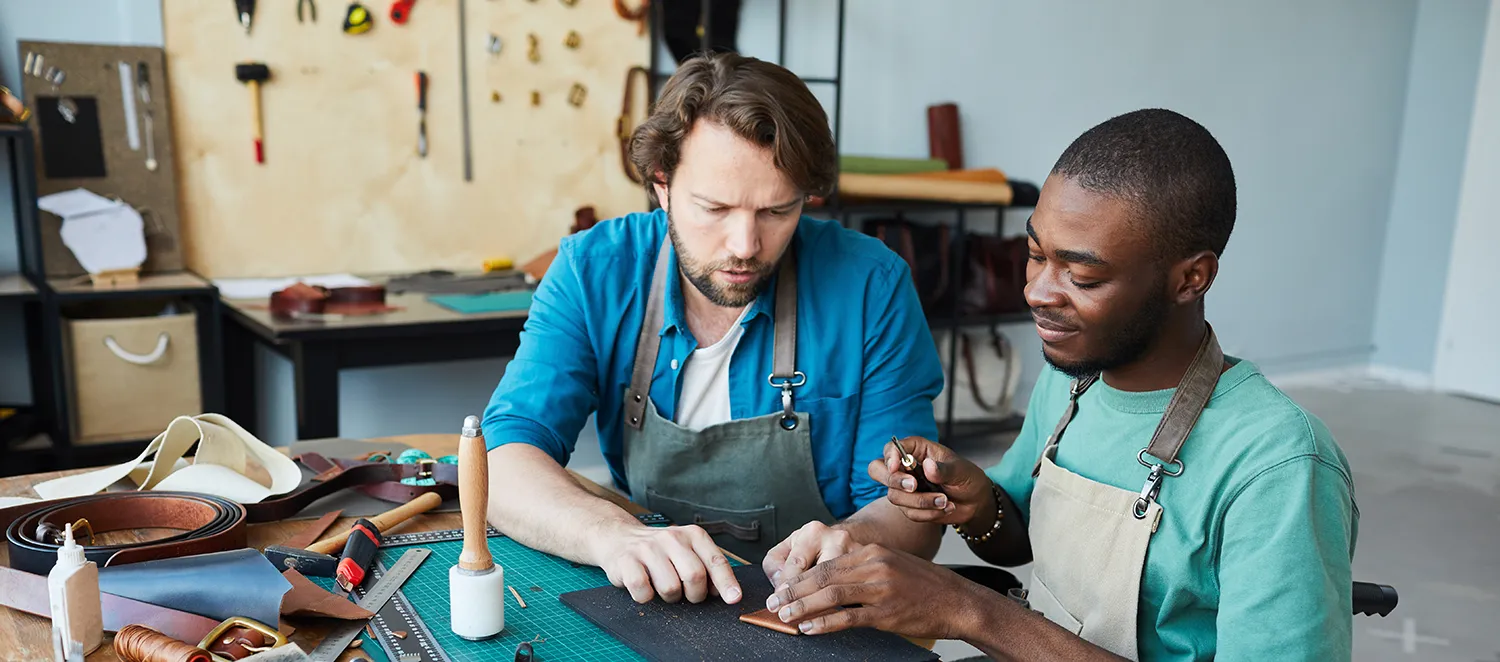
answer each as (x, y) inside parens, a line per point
(131, 376)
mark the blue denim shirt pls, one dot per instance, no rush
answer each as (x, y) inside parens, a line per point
(862, 340)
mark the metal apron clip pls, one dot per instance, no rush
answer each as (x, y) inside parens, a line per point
(1152, 487)
(788, 417)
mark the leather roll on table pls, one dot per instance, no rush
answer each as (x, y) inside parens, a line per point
(205, 524)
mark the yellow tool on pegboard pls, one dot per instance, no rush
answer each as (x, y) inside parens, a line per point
(357, 20)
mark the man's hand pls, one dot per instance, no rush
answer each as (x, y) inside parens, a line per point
(810, 545)
(672, 562)
(883, 589)
(966, 494)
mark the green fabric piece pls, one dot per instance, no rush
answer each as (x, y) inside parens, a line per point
(1252, 558)
(490, 302)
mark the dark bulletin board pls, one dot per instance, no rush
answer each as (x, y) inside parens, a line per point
(94, 151)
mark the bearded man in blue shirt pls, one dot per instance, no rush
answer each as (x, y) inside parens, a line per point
(746, 363)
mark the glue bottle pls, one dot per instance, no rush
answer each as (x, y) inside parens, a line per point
(73, 594)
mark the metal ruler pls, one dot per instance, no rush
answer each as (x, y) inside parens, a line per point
(387, 585)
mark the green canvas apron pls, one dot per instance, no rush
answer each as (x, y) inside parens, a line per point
(749, 483)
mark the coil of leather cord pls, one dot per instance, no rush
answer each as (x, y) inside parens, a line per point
(205, 524)
(138, 643)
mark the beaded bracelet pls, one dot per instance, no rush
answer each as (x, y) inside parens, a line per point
(999, 518)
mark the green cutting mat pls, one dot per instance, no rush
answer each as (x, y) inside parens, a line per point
(557, 633)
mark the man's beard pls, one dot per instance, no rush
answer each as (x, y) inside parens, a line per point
(732, 295)
(1127, 345)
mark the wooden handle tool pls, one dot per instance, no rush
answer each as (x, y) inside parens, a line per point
(473, 497)
(385, 522)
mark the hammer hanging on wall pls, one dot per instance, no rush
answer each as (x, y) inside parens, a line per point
(253, 74)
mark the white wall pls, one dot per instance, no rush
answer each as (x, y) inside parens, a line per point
(1307, 98)
(1468, 358)
(1424, 202)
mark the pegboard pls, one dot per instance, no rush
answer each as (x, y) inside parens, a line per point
(342, 188)
(94, 151)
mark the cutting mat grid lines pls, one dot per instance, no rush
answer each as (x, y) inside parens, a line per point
(557, 633)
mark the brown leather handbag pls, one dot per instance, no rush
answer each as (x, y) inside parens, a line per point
(994, 277)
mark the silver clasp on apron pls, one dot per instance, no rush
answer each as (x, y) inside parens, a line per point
(788, 417)
(1153, 483)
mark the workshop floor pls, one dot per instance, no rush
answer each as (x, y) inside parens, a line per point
(1427, 482)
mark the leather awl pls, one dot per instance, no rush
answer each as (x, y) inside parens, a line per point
(319, 560)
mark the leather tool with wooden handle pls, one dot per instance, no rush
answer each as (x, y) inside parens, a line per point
(318, 559)
(475, 582)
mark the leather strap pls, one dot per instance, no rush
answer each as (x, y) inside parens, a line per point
(1188, 401)
(383, 479)
(206, 524)
(647, 343)
(27, 592)
(1012, 372)
(392, 490)
(1079, 386)
(784, 363)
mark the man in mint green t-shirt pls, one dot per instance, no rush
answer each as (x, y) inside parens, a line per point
(1174, 504)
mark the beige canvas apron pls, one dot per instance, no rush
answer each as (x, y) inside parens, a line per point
(1089, 539)
(748, 482)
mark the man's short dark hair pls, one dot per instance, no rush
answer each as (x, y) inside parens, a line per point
(1169, 168)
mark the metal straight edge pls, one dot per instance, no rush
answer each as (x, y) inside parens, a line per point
(339, 637)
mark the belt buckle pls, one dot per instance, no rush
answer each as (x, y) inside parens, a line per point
(212, 638)
(424, 467)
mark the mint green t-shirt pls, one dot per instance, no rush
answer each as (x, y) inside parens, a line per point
(1252, 557)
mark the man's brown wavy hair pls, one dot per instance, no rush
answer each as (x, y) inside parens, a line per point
(759, 101)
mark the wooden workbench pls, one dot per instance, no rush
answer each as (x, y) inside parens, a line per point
(27, 637)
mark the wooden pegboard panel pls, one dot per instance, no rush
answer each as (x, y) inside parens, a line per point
(342, 188)
(92, 77)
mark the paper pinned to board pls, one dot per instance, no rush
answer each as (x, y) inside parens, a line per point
(103, 234)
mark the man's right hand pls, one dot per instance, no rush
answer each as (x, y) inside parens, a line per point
(672, 562)
(966, 495)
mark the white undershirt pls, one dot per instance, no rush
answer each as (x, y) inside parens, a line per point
(705, 381)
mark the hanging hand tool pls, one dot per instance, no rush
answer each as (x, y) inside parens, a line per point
(246, 9)
(422, 114)
(401, 10)
(312, 10)
(253, 74)
(358, 19)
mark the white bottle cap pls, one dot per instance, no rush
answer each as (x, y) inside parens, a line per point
(70, 554)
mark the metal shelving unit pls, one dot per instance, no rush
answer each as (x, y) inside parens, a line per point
(954, 321)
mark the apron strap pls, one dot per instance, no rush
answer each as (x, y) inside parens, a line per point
(647, 344)
(1187, 402)
(1050, 448)
(784, 373)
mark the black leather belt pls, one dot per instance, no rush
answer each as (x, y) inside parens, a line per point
(203, 523)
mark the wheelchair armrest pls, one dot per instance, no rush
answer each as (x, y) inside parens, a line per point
(1372, 599)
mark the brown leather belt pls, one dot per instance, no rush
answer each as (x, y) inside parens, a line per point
(33, 531)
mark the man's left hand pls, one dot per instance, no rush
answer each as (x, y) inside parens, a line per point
(808, 546)
(895, 592)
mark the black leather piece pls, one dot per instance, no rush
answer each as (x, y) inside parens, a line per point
(310, 564)
(239, 582)
(205, 523)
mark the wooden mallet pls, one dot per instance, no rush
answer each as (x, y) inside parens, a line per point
(253, 74)
(476, 586)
